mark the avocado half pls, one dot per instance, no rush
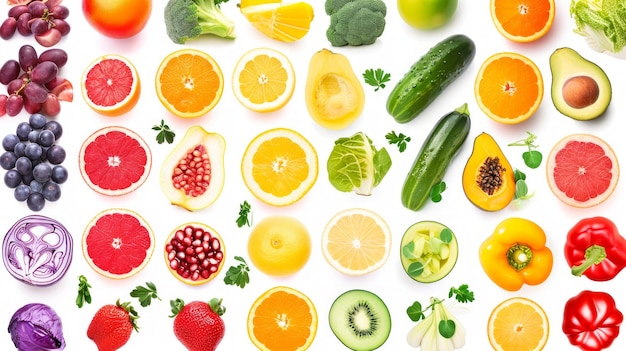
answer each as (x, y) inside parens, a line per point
(580, 88)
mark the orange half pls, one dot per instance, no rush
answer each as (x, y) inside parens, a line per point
(189, 83)
(509, 87)
(522, 21)
(518, 324)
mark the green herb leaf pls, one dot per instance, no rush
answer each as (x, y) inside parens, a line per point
(145, 294)
(462, 294)
(519, 175)
(415, 311)
(445, 235)
(446, 328)
(415, 269)
(400, 139)
(244, 212)
(164, 133)
(532, 157)
(407, 250)
(83, 292)
(376, 78)
(436, 190)
(238, 275)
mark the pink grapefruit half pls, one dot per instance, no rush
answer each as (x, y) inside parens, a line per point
(582, 170)
(117, 243)
(114, 161)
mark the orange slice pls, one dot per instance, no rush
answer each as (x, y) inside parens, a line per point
(518, 324)
(264, 80)
(282, 319)
(356, 241)
(286, 22)
(509, 87)
(189, 83)
(111, 85)
(279, 166)
(522, 20)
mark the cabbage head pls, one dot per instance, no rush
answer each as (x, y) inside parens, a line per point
(356, 165)
(36, 327)
(602, 23)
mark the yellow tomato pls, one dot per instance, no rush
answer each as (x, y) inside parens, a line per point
(427, 14)
(279, 245)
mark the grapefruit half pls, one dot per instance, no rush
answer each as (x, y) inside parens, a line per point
(582, 170)
(117, 243)
(114, 161)
(111, 85)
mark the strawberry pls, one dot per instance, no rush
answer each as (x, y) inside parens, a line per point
(198, 325)
(112, 325)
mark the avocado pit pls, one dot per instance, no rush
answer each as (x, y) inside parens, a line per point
(580, 91)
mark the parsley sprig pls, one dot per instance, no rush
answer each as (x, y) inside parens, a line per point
(83, 292)
(376, 78)
(145, 294)
(399, 139)
(244, 215)
(238, 275)
(164, 133)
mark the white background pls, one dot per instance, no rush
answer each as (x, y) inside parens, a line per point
(398, 48)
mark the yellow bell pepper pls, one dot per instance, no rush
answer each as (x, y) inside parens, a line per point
(516, 254)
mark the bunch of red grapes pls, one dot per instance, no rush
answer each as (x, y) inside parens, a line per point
(45, 20)
(33, 83)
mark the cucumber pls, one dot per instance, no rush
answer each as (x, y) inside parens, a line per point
(431, 163)
(429, 76)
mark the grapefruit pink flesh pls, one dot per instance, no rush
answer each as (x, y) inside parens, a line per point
(582, 170)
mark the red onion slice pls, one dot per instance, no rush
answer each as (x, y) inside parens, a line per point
(37, 250)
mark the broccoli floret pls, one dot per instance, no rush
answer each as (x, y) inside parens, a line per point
(355, 22)
(188, 19)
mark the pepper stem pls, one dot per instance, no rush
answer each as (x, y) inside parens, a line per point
(593, 255)
(519, 256)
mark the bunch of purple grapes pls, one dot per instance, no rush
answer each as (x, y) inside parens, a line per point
(46, 20)
(33, 161)
(33, 83)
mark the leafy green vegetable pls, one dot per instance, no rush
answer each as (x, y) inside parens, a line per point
(521, 188)
(189, 19)
(400, 139)
(462, 294)
(532, 158)
(356, 165)
(355, 22)
(83, 291)
(377, 78)
(145, 294)
(165, 133)
(436, 190)
(244, 212)
(238, 275)
(601, 23)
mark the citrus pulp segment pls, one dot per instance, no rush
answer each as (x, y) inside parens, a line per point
(279, 166)
(582, 170)
(518, 324)
(263, 80)
(189, 83)
(117, 243)
(114, 161)
(194, 253)
(111, 85)
(356, 241)
(279, 245)
(509, 87)
(282, 318)
(286, 22)
(521, 20)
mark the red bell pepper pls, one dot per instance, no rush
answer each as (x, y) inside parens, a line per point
(591, 320)
(595, 248)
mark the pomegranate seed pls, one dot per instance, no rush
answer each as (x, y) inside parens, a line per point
(193, 252)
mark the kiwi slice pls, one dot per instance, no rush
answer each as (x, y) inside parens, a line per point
(360, 320)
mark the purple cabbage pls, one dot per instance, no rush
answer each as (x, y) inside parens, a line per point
(37, 250)
(36, 327)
